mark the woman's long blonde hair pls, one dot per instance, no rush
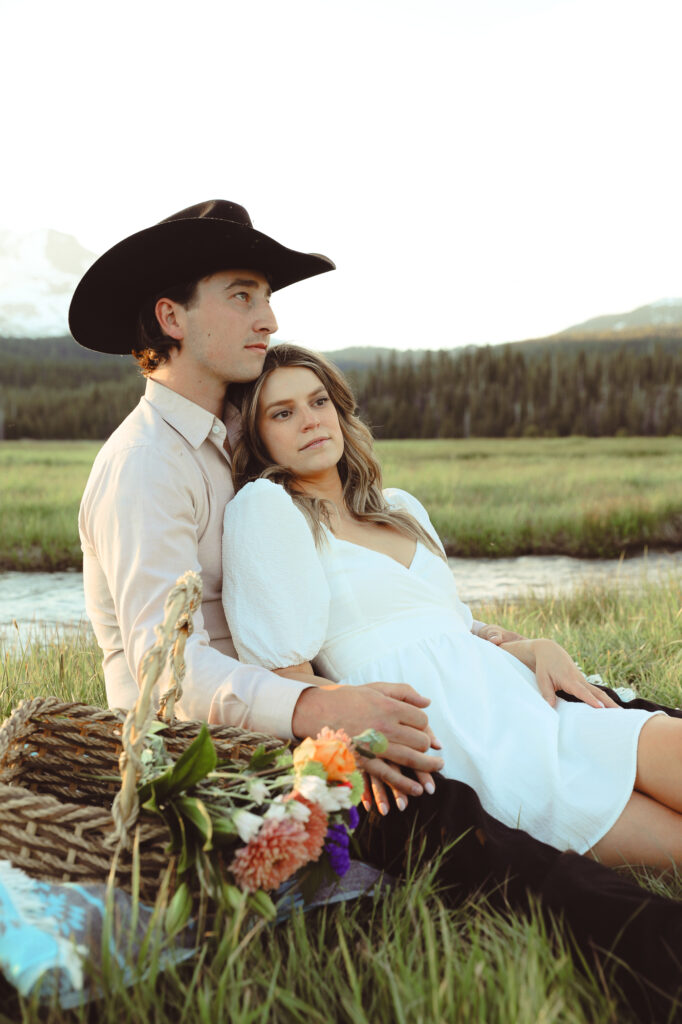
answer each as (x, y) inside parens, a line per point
(358, 467)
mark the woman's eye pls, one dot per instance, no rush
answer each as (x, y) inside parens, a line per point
(322, 400)
(281, 415)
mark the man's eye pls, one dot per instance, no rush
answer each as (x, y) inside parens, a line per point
(242, 295)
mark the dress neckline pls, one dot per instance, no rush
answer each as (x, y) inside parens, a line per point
(375, 551)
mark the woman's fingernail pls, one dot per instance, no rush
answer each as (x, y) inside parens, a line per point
(401, 803)
(495, 636)
(383, 809)
(416, 789)
(430, 788)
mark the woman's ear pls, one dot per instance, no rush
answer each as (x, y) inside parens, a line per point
(167, 313)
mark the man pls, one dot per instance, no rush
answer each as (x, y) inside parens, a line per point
(190, 298)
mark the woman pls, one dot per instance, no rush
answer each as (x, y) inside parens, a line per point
(320, 564)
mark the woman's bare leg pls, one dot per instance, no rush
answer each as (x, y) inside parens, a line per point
(659, 761)
(647, 832)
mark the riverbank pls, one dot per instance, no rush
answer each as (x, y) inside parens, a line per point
(584, 497)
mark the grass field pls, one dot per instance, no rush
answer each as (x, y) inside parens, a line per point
(405, 957)
(574, 496)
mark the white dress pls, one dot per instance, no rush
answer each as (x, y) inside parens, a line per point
(563, 774)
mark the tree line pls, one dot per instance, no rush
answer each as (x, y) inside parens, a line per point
(506, 391)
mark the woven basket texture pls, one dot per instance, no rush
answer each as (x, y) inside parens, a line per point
(59, 774)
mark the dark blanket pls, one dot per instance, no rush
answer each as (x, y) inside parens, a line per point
(635, 936)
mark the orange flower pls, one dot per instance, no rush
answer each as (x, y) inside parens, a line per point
(315, 826)
(331, 750)
(279, 850)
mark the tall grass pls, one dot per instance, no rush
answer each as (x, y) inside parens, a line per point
(403, 956)
(487, 497)
(574, 496)
(41, 483)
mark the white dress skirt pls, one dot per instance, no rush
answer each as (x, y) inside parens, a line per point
(563, 774)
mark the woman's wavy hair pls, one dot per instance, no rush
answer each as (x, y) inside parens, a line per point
(359, 467)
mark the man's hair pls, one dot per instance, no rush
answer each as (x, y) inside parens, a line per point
(359, 467)
(153, 344)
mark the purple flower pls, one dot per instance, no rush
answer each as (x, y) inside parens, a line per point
(337, 849)
(353, 817)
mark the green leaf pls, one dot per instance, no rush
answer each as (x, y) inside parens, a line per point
(357, 786)
(285, 759)
(233, 897)
(262, 904)
(262, 758)
(178, 910)
(194, 810)
(223, 832)
(156, 726)
(314, 768)
(197, 761)
(176, 827)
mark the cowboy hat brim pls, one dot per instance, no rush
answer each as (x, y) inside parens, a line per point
(105, 306)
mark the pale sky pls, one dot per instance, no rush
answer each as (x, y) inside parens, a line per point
(480, 170)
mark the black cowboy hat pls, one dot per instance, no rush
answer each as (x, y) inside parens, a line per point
(211, 236)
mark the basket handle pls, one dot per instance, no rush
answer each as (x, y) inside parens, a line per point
(183, 600)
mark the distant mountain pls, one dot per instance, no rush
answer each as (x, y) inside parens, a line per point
(38, 273)
(663, 313)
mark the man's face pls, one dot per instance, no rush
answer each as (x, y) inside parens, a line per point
(226, 330)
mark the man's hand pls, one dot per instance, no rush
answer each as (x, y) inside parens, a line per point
(392, 708)
(498, 634)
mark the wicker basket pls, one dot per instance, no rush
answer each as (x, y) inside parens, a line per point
(60, 773)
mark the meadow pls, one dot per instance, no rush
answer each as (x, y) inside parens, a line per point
(487, 497)
(407, 956)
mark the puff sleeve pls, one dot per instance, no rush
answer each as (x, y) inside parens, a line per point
(408, 503)
(275, 592)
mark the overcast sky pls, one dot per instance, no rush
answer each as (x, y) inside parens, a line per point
(480, 170)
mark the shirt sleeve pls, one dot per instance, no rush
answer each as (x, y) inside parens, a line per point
(275, 592)
(139, 533)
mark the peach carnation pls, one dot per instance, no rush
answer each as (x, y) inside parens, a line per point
(331, 750)
(275, 854)
(315, 826)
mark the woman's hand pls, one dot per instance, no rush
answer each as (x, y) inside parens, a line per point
(555, 670)
(498, 634)
(376, 793)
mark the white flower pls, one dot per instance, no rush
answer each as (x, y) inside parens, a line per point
(297, 810)
(276, 812)
(247, 824)
(312, 787)
(257, 790)
(330, 798)
(337, 798)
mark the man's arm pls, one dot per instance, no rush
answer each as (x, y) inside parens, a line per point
(140, 523)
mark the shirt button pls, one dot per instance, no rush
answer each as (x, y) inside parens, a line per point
(215, 428)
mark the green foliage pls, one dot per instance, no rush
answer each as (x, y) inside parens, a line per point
(508, 392)
(592, 384)
(575, 496)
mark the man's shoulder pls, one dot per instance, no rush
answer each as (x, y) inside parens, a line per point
(144, 443)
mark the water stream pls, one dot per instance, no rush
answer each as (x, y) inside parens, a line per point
(33, 604)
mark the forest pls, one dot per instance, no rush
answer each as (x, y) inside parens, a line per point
(52, 388)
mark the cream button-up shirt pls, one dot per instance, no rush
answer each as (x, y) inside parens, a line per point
(152, 509)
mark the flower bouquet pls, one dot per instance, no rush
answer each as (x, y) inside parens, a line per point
(240, 832)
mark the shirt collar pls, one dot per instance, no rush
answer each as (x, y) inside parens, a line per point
(195, 423)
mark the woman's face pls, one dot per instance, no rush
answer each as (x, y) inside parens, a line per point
(298, 423)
